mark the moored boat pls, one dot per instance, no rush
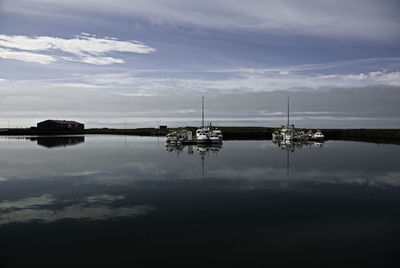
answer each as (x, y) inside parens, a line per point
(203, 135)
(289, 133)
(318, 135)
(207, 134)
(214, 137)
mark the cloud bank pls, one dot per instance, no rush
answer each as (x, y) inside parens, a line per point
(128, 84)
(322, 95)
(83, 48)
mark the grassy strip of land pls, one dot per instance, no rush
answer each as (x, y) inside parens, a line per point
(234, 133)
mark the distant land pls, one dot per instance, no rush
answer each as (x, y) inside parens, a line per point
(391, 136)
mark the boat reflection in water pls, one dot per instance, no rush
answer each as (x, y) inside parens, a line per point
(58, 141)
(178, 148)
(207, 148)
(202, 149)
(291, 145)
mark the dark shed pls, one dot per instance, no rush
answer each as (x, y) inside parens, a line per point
(57, 125)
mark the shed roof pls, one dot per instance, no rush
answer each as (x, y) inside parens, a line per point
(62, 122)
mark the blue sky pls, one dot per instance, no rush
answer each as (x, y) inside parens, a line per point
(107, 62)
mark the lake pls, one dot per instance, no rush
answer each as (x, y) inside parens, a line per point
(126, 200)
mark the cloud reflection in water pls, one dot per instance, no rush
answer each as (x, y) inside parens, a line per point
(41, 209)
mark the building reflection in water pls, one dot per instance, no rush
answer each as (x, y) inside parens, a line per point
(58, 141)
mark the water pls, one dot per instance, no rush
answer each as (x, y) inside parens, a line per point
(114, 200)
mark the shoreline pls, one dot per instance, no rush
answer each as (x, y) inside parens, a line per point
(391, 136)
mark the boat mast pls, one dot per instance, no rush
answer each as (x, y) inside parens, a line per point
(288, 111)
(202, 112)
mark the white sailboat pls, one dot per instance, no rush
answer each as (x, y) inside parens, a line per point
(203, 133)
(287, 132)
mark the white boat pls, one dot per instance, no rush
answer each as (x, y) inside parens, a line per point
(203, 135)
(289, 133)
(216, 133)
(219, 133)
(207, 134)
(215, 137)
(286, 132)
(318, 135)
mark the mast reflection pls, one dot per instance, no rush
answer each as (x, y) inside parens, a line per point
(290, 146)
(201, 149)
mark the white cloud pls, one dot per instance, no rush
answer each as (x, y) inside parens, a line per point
(84, 48)
(130, 84)
(79, 45)
(365, 79)
(243, 83)
(111, 79)
(74, 85)
(315, 67)
(101, 60)
(26, 56)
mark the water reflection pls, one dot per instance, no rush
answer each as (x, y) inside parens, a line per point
(58, 141)
(47, 208)
(141, 199)
(291, 145)
(179, 148)
(201, 149)
(204, 149)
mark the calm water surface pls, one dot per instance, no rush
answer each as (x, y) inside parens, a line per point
(114, 200)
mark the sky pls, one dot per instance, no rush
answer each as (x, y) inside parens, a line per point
(146, 63)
